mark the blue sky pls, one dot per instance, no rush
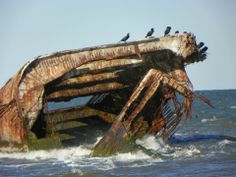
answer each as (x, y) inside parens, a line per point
(29, 28)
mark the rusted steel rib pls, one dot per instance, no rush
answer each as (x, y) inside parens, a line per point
(99, 88)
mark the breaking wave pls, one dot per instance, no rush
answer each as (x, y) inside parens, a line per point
(157, 146)
(151, 147)
(151, 150)
(59, 154)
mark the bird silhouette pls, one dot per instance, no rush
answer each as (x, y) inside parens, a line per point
(204, 49)
(149, 34)
(176, 32)
(200, 45)
(204, 55)
(125, 38)
(167, 31)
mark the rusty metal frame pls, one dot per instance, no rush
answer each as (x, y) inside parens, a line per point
(98, 70)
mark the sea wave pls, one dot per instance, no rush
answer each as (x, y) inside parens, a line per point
(154, 150)
(131, 156)
(59, 154)
(186, 152)
(150, 142)
(223, 143)
(157, 145)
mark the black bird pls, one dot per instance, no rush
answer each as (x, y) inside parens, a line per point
(149, 34)
(200, 45)
(167, 31)
(204, 55)
(176, 32)
(185, 32)
(204, 49)
(124, 39)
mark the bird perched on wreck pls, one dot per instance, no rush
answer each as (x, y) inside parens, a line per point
(167, 31)
(177, 32)
(149, 34)
(125, 38)
(204, 49)
(200, 45)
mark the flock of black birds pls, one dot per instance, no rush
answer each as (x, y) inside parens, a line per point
(149, 34)
(166, 33)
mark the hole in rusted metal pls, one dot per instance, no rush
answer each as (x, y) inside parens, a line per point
(80, 101)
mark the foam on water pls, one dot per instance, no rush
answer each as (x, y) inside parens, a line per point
(132, 159)
(186, 152)
(233, 107)
(97, 140)
(223, 143)
(157, 145)
(59, 154)
(78, 158)
(151, 142)
(209, 120)
(138, 155)
(220, 148)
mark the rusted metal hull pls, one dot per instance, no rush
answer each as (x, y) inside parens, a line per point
(127, 83)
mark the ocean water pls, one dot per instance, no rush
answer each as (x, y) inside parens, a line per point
(205, 146)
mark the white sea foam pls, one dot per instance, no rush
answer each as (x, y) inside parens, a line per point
(233, 107)
(179, 134)
(157, 145)
(131, 156)
(97, 140)
(133, 159)
(219, 147)
(153, 143)
(78, 158)
(209, 120)
(186, 152)
(223, 143)
(99, 163)
(60, 154)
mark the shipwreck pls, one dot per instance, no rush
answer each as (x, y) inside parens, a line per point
(124, 91)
